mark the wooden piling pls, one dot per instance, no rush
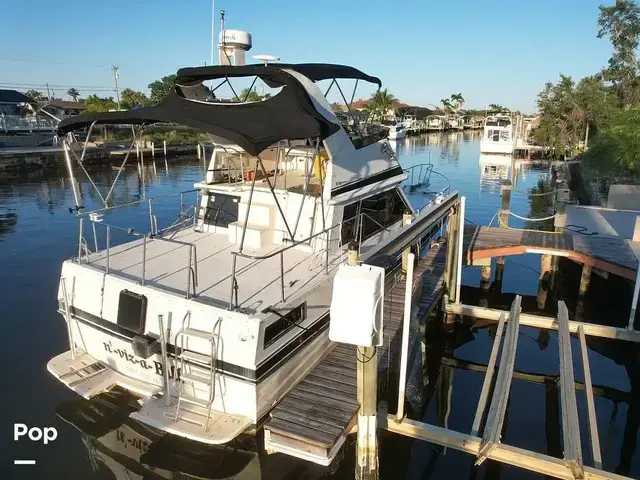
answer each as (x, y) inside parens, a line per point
(199, 149)
(562, 197)
(367, 396)
(450, 267)
(485, 277)
(546, 266)
(153, 150)
(503, 216)
(407, 216)
(164, 147)
(585, 280)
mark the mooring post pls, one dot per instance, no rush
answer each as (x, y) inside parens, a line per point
(367, 379)
(404, 349)
(164, 147)
(137, 148)
(585, 280)
(450, 266)
(503, 218)
(406, 220)
(153, 149)
(546, 265)
(460, 247)
(485, 277)
(562, 197)
(198, 148)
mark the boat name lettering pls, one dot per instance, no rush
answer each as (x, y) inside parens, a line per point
(137, 443)
(130, 357)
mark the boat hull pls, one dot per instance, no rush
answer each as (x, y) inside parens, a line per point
(496, 148)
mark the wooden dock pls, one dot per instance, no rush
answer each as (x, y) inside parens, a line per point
(315, 417)
(611, 254)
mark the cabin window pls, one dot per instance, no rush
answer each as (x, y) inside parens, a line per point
(379, 211)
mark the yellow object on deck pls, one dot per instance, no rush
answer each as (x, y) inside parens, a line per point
(320, 165)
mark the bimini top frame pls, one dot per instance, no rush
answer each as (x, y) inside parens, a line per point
(289, 115)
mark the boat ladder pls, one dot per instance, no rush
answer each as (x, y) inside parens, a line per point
(202, 377)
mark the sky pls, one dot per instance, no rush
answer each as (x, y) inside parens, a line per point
(491, 51)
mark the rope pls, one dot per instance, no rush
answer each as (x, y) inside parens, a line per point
(533, 219)
(525, 229)
(537, 194)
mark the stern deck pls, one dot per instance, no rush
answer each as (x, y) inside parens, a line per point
(166, 263)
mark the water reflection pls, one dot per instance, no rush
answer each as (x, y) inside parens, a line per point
(35, 223)
(130, 449)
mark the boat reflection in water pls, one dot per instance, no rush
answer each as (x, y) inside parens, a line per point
(495, 169)
(133, 450)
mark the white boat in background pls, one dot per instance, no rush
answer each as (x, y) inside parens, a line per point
(410, 123)
(435, 123)
(215, 317)
(396, 127)
(498, 135)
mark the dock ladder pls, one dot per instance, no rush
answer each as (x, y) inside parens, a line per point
(190, 379)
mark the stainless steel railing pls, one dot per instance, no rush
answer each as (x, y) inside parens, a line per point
(358, 230)
(420, 177)
(186, 215)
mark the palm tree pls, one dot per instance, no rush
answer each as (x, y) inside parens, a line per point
(457, 101)
(381, 102)
(446, 104)
(73, 93)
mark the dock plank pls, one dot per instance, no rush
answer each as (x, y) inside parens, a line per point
(324, 402)
(611, 254)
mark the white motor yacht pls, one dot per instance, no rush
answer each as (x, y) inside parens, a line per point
(212, 319)
(498, 135)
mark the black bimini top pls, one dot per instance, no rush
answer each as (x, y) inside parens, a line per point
(254, 126)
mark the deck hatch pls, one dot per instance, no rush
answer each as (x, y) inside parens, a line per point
(132, 311)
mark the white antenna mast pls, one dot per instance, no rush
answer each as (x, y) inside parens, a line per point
(213, 28)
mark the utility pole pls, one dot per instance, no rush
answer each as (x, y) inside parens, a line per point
(114, 69)
(48, 93)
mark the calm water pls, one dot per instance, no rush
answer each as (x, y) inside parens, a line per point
(37, 232)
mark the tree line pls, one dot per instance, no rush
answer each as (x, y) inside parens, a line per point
(601, 111)
(129, 98)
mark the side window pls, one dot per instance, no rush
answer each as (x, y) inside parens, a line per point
(380, 211)
(349, 223)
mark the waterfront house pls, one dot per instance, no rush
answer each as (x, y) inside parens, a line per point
(62, 108)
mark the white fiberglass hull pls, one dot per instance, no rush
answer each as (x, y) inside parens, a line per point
(496, 147)
(395, 135)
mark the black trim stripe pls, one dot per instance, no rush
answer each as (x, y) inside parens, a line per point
(255, 376)
(378, 177)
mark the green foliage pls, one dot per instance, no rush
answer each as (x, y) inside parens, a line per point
(567, 109)
(73, 93)
(616, 149)
(454, 103)
(496, 108)
(249, 96)
(130, 98)
(161, 88)
(35, 95)
(176, 136)
(381, 102)
(95, 103)
(621, 24)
